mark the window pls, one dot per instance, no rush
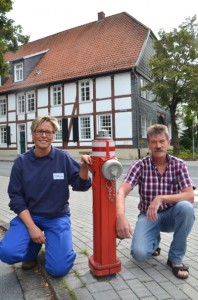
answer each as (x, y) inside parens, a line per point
(145, 123)
(57, 95)
(21, 103)
(3, 107)
(30, 101)
(18, 72)
(3, 135)
(145, 94)
(85, 128)
(85, 94)
(105, 123)
(59, 133)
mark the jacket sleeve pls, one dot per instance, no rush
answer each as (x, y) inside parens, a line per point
(15, 188)
(77, 183)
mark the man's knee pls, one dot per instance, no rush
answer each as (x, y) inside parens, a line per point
(186, 209)
(139, 254)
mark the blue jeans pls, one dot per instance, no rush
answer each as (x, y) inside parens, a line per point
(17, 245)
(146, 238)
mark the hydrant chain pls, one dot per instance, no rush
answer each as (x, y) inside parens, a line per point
(111, 187)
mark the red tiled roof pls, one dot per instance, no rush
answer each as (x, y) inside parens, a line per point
(113, 43)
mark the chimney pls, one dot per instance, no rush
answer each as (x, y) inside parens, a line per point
(101, 15)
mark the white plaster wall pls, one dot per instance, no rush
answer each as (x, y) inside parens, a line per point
(21, 117)
(68, 109)
(31, 116)
(70, 92)
(13, 132)
(123, 103)
(3, 120)
(42, 111)
(86, 108)
(103, 105)
(56, 111)
(103, 87)
(122, 84)
(11, 102)
(29, 134)
(42, 97)
(11, 116)
(123, 125)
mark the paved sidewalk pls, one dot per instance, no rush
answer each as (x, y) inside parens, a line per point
(150, 280)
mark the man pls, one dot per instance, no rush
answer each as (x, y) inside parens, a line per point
(39, 194)
(166, 197)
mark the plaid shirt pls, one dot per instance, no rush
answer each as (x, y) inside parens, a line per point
(151, 183)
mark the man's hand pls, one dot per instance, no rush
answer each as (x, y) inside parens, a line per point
(153, 209)
(123, 227)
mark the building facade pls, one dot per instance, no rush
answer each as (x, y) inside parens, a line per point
(90, 78)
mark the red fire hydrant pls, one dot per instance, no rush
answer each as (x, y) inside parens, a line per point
(105, 170)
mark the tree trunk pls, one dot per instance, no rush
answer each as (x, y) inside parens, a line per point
(175, 137)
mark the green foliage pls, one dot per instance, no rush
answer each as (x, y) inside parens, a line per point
(10, 35)
(85, 252)
(174, 70)
(186, 142)
(185, 154)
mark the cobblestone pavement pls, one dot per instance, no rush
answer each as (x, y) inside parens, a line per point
(149, 280)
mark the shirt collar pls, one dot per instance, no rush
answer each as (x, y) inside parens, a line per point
(51, 154)
(168, 157)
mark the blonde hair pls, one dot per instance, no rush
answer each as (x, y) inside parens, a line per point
(157, 129)
(45, 118)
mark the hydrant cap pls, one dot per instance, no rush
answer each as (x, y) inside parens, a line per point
(103, 134)
(112, 169)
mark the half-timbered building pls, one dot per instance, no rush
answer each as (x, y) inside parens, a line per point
(90, 77)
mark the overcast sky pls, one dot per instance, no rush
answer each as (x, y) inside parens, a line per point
(40, 18)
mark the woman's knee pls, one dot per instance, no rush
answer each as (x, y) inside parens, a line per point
(60, 268)
(8, 255)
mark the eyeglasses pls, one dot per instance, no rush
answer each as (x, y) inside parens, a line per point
(41, 132)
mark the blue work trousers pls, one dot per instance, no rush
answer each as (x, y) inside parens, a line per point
(17, 245)
(178, 219)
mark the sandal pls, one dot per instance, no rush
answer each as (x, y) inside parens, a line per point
(156, 252)
(177, 269)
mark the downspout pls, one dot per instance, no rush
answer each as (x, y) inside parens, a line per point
(136, 94)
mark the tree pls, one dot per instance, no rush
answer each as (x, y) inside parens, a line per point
(10, 35)
(190, 121)
(174, 71)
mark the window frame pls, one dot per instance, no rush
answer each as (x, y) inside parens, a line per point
(20, 103)
(58, 136)
(32, 98)
(85, 91)
(145, 123)
(148, 95)
(3, 107)
(82, 136)
(105, 127)
(18, 72)
(56, 92)
(3, 131)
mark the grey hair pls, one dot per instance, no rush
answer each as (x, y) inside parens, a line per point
(157, 129)
(45, 118)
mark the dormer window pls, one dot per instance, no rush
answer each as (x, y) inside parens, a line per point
(18, 72)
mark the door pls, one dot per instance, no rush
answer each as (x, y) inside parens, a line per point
(22, 139)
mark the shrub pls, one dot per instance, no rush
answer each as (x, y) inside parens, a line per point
(186, 142)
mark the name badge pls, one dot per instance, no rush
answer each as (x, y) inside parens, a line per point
(58, 176)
